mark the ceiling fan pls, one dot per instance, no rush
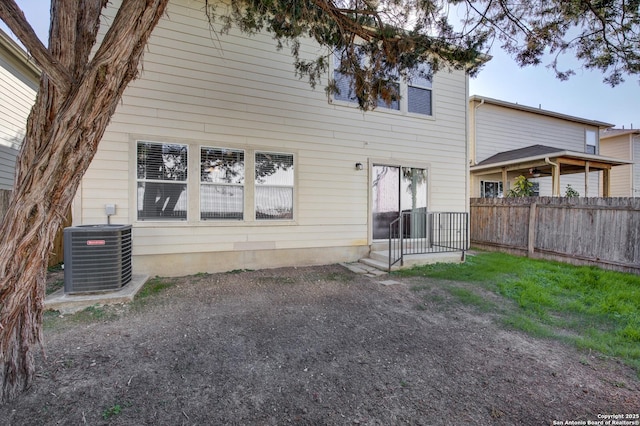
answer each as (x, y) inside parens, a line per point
(536, 173)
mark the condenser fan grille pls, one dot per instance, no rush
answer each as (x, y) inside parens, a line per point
(97, 258)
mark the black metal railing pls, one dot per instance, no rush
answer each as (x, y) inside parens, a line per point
(420, 232)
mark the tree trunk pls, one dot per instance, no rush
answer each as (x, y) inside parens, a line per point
(64, 128)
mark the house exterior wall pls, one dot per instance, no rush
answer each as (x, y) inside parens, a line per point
(496, 128)
(201, 88)
(621, 176)
(7, 167)
(635, 188)
(18, 88)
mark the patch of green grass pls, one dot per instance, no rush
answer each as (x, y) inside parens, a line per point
(593, 308)
(238, 271)
(338, 276)
(468, 297)
(55, 268)
(154, 286)
(114, 410)
(93, 313)
(54, 286)
(277, 280)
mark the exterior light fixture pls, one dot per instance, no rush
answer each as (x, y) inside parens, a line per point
(359, 166)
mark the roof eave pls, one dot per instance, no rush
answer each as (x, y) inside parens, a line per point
(540, 111)
(550, 156)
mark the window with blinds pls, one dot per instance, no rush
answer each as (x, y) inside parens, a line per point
(344, 85)
(591, 142)
(161, 181)
(274, 184)
(418, 89)
(222, 178)
(419, 92)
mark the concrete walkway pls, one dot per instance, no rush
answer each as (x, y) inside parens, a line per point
(70, 303)
(369, 271)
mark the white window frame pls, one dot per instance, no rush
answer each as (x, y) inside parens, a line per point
(402, 104)
(222, 185)
(417, 85)
(500, 193)
(257, 185)
(191, 192)
(587, 139)
(147, 182)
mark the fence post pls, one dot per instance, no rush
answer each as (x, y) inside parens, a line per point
(531, 239)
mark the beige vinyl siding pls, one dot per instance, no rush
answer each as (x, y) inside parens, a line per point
(621, 176)
(204, 88)
(502, 129)
(636, 166)
(497, 129)
(7, 167)
(17, 95)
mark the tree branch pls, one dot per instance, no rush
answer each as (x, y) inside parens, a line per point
(11, 14)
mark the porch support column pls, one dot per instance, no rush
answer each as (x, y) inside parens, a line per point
(505, 181)
(606, 182)
(586, 179)
(555, 179)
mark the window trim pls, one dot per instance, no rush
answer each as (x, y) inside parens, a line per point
(482, 189)
(595, 144)
(222, 184)
(403, 103)
(193, 184)
(256, 186)
(137, 181)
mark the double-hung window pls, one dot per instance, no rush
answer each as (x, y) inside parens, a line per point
(222, 177)
(233, 183)
(161, 181)
(274, 183)
(489, 189)
(591, 142)
(417, 89)
(345, 87)
(419, 99)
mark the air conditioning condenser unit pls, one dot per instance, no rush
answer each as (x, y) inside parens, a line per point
(97, 258)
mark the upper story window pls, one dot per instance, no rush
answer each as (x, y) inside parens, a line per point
(274, 183)
(162, 181)
(346, 92)
(222, 178)
(415, 93)
(419, 100)
(591, 142)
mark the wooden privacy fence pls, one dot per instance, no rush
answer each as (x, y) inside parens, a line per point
(57, 252)
(595, 231)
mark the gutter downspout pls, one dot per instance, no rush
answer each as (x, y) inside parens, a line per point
(555, 177)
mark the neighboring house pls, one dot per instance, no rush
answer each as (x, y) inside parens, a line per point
(222, 159)
(552, 150)
(623, 143)
(19, 79)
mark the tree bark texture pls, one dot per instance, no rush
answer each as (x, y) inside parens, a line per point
(77, 97)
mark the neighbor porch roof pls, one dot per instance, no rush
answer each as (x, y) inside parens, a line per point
(540, 160)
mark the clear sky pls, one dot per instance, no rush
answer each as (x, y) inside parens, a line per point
(583, 95)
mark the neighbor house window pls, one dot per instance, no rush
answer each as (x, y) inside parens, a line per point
(274, 183)
(591, 142)
(490, 189)
(221, 183)
(419, 92)
(161, 181)
(536, 189)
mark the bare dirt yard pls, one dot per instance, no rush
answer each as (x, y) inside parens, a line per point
(316, 345)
